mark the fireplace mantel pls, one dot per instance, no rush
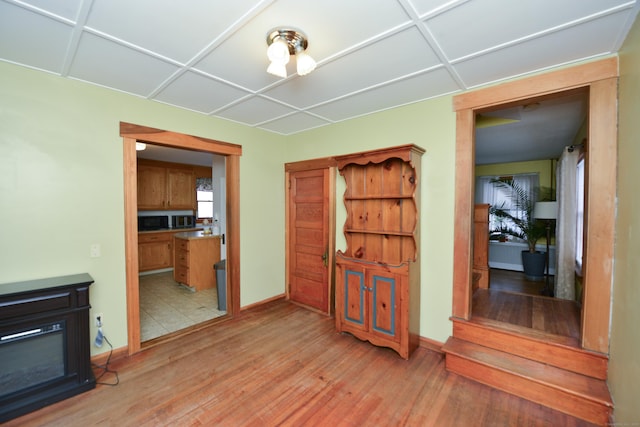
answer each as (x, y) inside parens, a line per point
(44, 343)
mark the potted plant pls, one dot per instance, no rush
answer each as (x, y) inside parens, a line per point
(524, 227)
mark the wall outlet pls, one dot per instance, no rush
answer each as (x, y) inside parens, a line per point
(94, 250)
(99, 319)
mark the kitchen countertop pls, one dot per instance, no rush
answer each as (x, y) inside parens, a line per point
(189, 235)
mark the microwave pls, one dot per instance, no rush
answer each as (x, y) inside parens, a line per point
(183, 221)
(153, 222)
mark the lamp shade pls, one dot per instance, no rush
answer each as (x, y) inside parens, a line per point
(545, 210)
(277, 69)
(305, 63)
(278, 51)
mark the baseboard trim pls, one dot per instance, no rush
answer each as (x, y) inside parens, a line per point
(118, 353)
(263, 302)
(431, 344)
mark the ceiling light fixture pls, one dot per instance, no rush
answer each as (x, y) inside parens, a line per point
(284, 42)
(140, 146)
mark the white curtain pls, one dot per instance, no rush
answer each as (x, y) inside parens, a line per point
(566, 225)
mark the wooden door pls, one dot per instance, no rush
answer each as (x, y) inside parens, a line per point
(309, 238)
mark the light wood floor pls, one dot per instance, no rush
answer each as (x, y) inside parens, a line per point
(517, 301)
(280, 364)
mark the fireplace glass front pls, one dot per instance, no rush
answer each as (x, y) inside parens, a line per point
(32, 357)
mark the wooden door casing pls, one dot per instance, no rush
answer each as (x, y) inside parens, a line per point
(132, 133)
(600, 79)
(309, 237)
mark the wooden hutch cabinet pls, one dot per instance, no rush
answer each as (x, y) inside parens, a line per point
(378, 275)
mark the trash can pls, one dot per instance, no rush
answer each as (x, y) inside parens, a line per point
(221, 281)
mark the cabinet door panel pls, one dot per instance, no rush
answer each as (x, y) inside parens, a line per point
(384, 304)
(181, 189)
(152, 187)
(355, 310)
(154, 255)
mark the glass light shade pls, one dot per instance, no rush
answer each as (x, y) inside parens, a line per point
(277, 69)
(305, 63)
(545, 210)
(278, 51)
(140, 146)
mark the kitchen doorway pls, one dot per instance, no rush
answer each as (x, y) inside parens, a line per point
(168, 304)
(133, 134)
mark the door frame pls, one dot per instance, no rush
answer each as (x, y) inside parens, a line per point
(301, 166)
(131, 134)
(600, 78)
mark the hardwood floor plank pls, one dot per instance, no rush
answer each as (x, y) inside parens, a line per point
(280, 364)
(549, 315)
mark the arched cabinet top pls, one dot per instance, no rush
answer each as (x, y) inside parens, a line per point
(408, 153)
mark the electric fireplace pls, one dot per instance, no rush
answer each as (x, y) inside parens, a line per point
(44, 343)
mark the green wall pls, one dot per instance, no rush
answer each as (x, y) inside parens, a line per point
(624, 365)
(430, 125)
(545, 169)
(61, 187)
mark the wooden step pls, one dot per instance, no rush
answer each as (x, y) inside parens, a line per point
(555, 350)
(578, 395)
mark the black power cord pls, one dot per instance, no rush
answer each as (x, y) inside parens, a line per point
(105, 367)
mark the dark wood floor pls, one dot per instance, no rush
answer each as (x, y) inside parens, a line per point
(513, 299)
(280, 364)
(514, 281)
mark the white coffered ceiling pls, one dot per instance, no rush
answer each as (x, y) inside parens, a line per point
(209, 56)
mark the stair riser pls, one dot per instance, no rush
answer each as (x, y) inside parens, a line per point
(562, 357)
(544, 394)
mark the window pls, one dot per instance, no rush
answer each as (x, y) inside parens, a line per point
(204, 197)
(487, 192)
(579, 211)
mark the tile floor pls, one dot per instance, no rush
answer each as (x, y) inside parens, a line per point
(166, 306)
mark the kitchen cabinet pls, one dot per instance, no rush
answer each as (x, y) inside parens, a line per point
(181, 189)
(195, 253)
(155, 251)
(165, 186)
(378, 274)
(152, 185)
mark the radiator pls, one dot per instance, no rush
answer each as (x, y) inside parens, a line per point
(507, 255)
